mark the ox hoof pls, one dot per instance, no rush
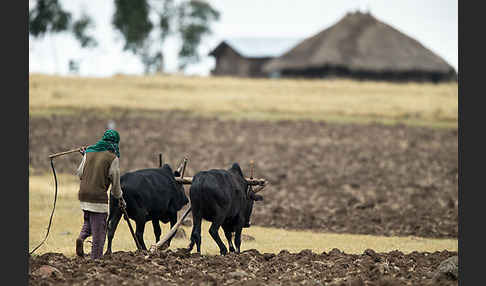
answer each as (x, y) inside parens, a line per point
(232, 249)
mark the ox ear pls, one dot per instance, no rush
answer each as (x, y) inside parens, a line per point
(236, 167)
(177, 174)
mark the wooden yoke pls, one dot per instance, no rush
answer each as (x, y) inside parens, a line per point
(184, 164)
(188, 180)
(253, 182)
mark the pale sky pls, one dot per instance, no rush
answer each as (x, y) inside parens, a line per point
(434, 23)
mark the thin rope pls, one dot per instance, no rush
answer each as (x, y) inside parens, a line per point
(53, 208)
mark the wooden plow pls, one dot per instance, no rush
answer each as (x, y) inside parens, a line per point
(260, 183)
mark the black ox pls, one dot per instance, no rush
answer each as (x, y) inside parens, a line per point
(222, 197)
(150, 194)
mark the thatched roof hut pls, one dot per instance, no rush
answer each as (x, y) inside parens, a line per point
(360, 46)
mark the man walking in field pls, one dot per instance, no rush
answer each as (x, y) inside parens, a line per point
(99, 168)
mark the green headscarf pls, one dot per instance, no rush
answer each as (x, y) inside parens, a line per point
(109, 142)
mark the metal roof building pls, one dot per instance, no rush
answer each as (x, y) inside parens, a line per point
(246, 56)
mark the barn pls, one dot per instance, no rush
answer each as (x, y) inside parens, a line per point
(245, 57)
(359, 46)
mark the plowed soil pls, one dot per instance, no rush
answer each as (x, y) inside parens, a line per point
(362, 179)
(248, 268)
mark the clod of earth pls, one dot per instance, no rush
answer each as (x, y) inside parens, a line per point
(47, 271)
(448, 268)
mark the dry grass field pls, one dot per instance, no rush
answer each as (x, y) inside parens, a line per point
(341, 101)
(67, 223)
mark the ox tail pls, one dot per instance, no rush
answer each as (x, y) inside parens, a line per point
(195, 193)
(196, 185)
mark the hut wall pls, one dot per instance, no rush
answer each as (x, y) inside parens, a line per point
(230, 63)
(342, 72)
(256, 66)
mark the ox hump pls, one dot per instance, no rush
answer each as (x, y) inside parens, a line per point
(167, 167)
(236, 167)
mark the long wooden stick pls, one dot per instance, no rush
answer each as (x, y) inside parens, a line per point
(125, 216)
(172, 231)
(66, 152)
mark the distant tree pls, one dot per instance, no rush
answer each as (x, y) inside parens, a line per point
(48, 17)
(145, 24)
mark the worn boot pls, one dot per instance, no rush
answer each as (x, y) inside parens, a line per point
(79, 247)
